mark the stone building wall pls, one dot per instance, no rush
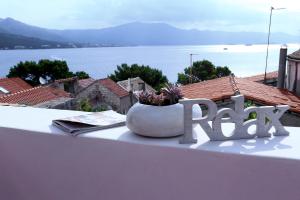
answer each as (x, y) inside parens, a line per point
(98, 95)
(61, 103)
(136, 84)
(290, 119)
(125, 104)
(70, 86)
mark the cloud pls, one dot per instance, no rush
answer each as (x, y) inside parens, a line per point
(213, 14)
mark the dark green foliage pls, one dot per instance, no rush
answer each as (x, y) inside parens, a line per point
(85, 105)
(82, 75)
(201, 71)
(183, 79)
(151, 76)
(222, 71)
(252, 115)
(31, 71)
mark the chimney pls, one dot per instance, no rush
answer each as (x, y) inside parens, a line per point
(282, 67)
(129, 86)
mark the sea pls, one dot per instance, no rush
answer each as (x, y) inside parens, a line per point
(242, 60)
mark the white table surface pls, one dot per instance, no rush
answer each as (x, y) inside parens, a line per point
(40, 120)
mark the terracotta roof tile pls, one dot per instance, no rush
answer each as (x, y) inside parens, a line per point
(269, 95)
(295, 55)
(34, 96)
(66, 79)
(261, 77)
(114, 87)
(216, 89)
(219, 89)
(83, 83)
(13, 85)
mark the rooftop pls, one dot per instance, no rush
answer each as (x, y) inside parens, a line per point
(114, 87)
(135, 81)
(261, 77)
(65, 80)
(34, 96)
(295, 55)
(13, 85)
(83, 83)
(222, 88)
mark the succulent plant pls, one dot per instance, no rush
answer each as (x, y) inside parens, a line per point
(172, 93)
(168, 95)
(157, 100)
(145, 97)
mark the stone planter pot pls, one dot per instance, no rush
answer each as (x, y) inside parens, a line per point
(158, 121)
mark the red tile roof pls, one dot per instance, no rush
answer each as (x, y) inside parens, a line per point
(216, 89)
(114, 87)
(34, 96)
(295, 55)
(221, 88)
(13, 85)
(66, 79)
(268, 95)
(261, 77)
(83, 83)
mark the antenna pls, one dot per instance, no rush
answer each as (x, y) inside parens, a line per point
(43, 81)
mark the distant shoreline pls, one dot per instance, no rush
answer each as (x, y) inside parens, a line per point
(99, 62)
(113, 46)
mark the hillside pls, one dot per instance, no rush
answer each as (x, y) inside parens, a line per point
(164, 34)
(140, 34)
(12, 26)
(11, 41)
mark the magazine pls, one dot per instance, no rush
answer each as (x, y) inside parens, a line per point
(90, 122)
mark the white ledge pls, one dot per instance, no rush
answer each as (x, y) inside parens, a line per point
(38, 161)
(39, 120)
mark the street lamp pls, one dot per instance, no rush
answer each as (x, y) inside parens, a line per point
(191, 64)
(270, 22)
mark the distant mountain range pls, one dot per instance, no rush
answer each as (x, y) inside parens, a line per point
(11, 41)
(16, 33)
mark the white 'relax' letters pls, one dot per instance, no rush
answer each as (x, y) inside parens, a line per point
(267, 117)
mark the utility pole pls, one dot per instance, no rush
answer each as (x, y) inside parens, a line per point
(268, 42)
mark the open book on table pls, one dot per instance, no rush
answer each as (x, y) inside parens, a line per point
(90, 122)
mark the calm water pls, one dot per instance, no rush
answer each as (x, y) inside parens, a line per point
(99, 62)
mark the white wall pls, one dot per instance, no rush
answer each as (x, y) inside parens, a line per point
(37, 166)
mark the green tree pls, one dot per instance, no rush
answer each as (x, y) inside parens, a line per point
(31, 71)
(222, 71)
(183, 79)
(84, 105)
(82, 75)
(201, 71)
(151, 76)
(248, 104)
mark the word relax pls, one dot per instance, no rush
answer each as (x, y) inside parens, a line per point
(267, 117)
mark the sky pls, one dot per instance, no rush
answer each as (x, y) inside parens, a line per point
(223, 15)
